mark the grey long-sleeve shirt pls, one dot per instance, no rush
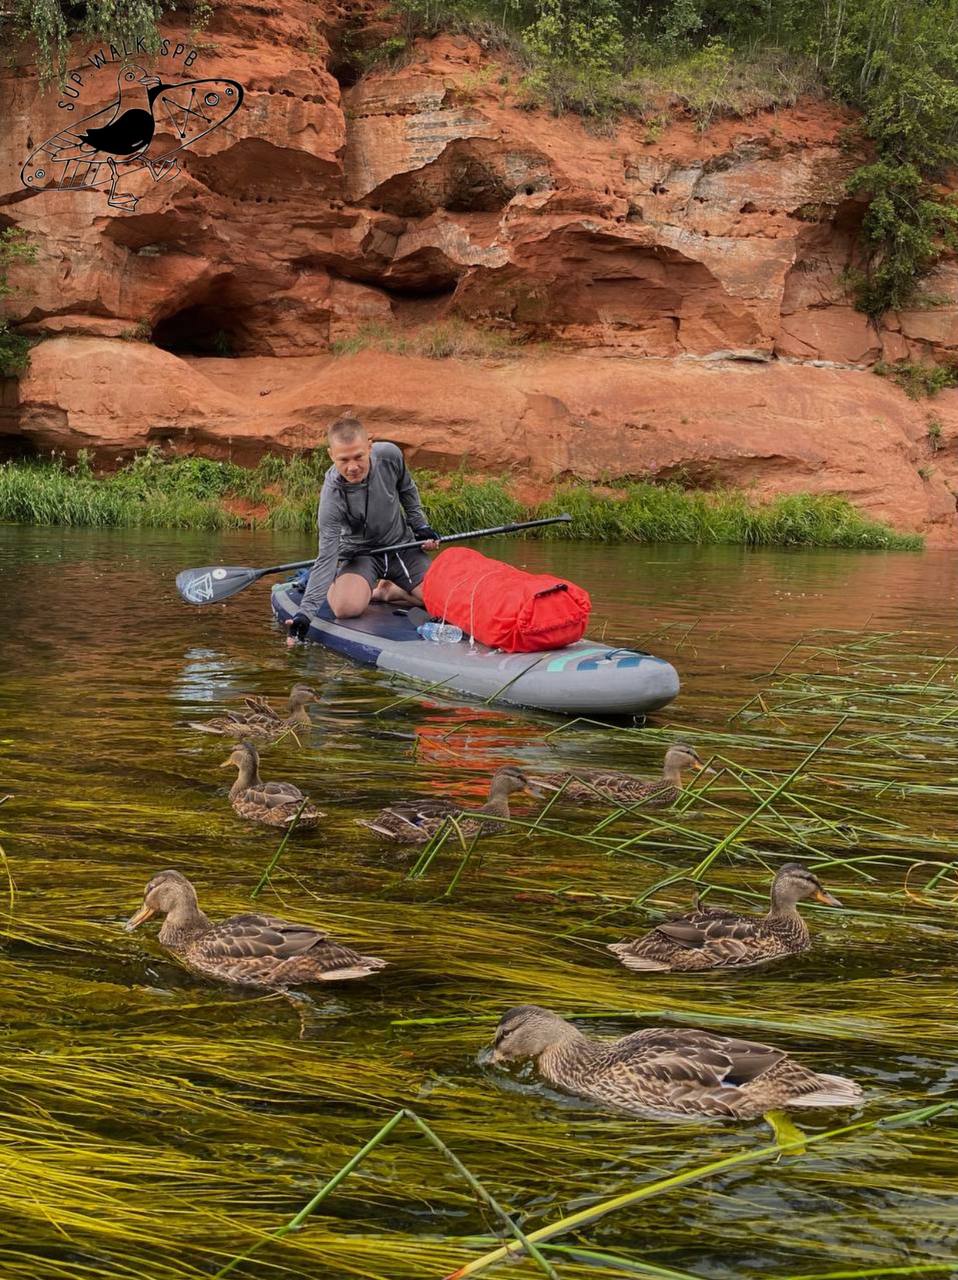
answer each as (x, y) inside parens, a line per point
(354, 519)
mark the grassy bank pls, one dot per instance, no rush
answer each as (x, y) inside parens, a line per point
(197, 493)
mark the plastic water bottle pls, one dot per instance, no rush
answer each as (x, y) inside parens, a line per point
(440, 632)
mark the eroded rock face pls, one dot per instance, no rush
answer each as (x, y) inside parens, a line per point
(778, 428)
(421, 192)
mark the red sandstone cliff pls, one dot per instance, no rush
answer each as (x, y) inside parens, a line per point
(689, 285)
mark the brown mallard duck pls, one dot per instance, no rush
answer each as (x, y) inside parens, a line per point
(417, 821)
(252, 950)
(712, 938)
(656, 793)
(259, 720)
(681, 1070)
(275, 803)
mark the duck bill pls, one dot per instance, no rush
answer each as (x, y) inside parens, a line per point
(827, 899)
(227, 764)
(138, 918)
(699, 767)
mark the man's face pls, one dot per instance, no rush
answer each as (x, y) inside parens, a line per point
(351, 459)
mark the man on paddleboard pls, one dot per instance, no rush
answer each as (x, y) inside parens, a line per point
(368, 500)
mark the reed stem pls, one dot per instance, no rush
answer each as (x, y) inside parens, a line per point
(264, 878)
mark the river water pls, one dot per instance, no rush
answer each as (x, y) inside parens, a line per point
(156, 1125)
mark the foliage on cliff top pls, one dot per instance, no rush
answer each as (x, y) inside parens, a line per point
(199, 493)
(895, 60)
(51, 22)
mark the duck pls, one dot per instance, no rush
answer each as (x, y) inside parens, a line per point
(275, 803)
(250, 950)
(259, 720)
(676, 1070)
(594, 785)
(712, 938)
(417, 821)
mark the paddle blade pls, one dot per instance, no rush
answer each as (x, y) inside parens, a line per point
(214, 583)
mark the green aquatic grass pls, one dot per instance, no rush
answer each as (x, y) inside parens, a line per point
(156, 1125)
(196, 493)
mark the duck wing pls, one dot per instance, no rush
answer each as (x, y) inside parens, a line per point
(701, 929)
(580, 783)
(231, 724)
(268, 951)
(597, 785)
(706, 938)
(274, 794)
(740, 1060)
(261, 709)
(254, 934)
(417, 812)
(686, 1069)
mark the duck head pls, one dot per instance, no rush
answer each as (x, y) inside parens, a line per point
(510, 780)
(300, 695)
(243, 756)
(167, 892)
(682, 759)
(793, 883)
(527, 1032)
(245, 759)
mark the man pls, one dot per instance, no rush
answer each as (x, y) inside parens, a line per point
(368, 500)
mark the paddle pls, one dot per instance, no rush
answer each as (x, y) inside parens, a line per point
(214, 583)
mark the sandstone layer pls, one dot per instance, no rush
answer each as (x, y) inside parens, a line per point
(690, 285)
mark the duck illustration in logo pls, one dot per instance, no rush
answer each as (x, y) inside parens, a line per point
(115, 141)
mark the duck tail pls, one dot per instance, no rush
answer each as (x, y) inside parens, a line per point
(308, 818)
(372, 826)
(832, 1091)
(199, 726)
(632, 961)
(366, 966)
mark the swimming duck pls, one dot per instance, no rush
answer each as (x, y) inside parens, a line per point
(275, 803)
(417, 821)
(680, 1070)
(623, 788)
(260, 721)
(252, 950)
(711, 938)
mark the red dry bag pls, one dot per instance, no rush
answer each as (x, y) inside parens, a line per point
(505, 607)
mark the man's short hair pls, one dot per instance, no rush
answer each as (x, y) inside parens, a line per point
(345, 430)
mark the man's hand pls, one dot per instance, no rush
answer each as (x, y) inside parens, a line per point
(431, 536)
(298, 625)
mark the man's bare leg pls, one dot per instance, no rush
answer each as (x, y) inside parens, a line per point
(349, 595)
(390, 593)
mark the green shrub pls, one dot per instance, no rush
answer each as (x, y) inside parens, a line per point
(50, 23)
(919, 380)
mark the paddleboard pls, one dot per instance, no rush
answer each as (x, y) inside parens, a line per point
(588, 678)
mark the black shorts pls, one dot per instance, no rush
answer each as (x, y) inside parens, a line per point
(406, 568)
